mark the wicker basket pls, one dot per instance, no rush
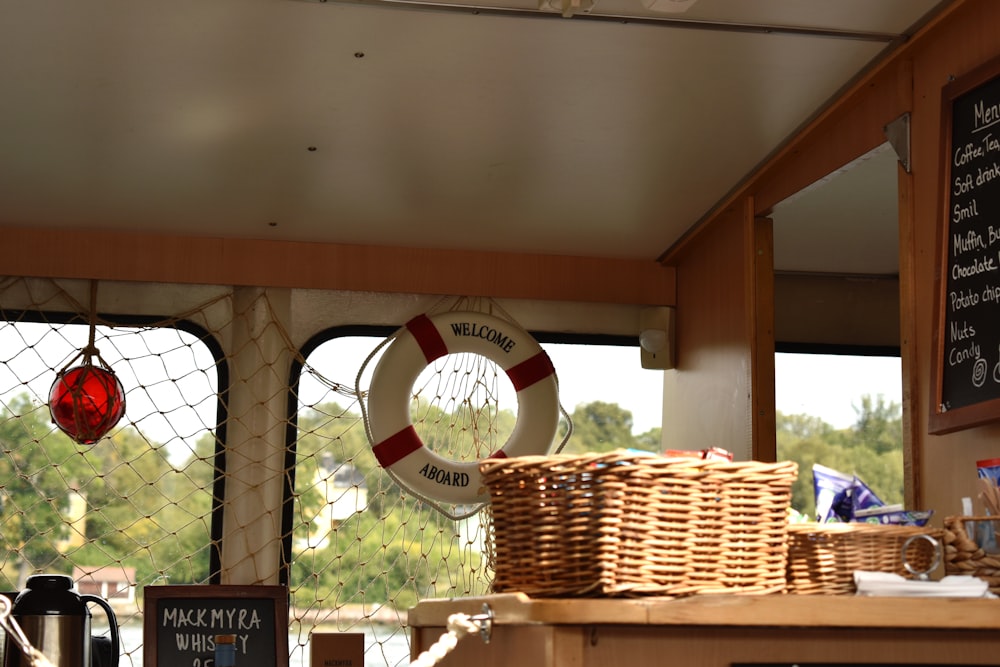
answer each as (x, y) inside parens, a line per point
(619, 524)
(963, 556)
(822, 558)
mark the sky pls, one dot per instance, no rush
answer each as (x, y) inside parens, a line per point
(830, 386)
(824, 386)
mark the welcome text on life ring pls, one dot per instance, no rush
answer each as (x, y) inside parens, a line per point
(398, 447)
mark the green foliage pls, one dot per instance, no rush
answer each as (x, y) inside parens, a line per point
(397, 550)
(136, 508)
(145, 511)
(650, 441)
(38, 467)
(397, 558)
(604, 427)
(599, 427)
(879, 425)
(872, 450)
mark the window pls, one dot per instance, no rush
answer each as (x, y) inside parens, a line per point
(845, 412)
(363, 550)
(133, 508)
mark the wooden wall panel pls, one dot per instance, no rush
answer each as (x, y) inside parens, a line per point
(941, 469)
(846, 131)
(946, 464)
(837, 310)
(760, 287)
(908, 351)
(243, 262)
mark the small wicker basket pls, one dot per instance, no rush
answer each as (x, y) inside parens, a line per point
(620, 524)
(963, 556)
(822, 557)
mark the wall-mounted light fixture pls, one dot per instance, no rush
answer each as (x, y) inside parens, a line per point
(656, 337)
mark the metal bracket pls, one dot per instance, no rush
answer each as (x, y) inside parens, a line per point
(484, 620)
(898, 134)
(921, 575)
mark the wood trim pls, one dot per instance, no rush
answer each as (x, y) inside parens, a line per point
(848, 128)
(208, 597)
(851, 129)
(761, 286)
(841, 314)
(940, 419)
(750, 611)
(845, 131)
(247, 262)
(908, 336)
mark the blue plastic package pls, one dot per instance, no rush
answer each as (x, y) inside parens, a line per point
(986, 536)
(893, 515)
(833, 499)
(863, 498)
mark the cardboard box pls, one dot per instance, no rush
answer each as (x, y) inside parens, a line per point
(337, 649)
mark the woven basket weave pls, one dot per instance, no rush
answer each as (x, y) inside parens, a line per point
(822, 557)
(619, 524)
(963, 556)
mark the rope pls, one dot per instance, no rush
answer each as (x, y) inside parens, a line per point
(459, 625)
(36, 658)
(89, 352)
(93, 312)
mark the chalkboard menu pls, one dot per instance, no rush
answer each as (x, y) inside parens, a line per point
(966, 389)
(180, 624)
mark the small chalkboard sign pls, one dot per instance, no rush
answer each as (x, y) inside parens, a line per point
(965, 388)
(180, 624)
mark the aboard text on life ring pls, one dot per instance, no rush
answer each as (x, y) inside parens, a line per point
(397, 446)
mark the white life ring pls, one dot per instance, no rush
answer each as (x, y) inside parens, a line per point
(396, 445)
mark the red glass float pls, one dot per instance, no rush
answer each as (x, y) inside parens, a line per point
(86, 402)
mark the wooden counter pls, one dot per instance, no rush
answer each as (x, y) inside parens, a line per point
(718, 631)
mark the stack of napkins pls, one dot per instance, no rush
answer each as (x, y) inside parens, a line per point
(892, 585)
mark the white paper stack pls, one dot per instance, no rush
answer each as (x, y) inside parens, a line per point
(892, 585)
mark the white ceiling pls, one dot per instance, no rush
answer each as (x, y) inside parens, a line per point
(370, 123)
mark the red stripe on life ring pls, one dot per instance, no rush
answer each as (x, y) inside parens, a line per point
(530, 371)
(427, 337)
(397, 447)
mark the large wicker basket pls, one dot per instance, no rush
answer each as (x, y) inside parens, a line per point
(822, 557)
(963, 556)
(620, 524)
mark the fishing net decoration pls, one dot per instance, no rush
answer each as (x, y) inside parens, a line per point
(135, 508)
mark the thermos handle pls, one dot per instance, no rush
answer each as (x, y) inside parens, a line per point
(112, 624)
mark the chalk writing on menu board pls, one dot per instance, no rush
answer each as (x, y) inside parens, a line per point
(969, 323)
(181, 623)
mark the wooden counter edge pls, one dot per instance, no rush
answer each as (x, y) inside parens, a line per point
(724, 610)
(519, 609)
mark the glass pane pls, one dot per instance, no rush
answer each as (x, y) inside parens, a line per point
(363, 549)
(842, 412)
(134, 508)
